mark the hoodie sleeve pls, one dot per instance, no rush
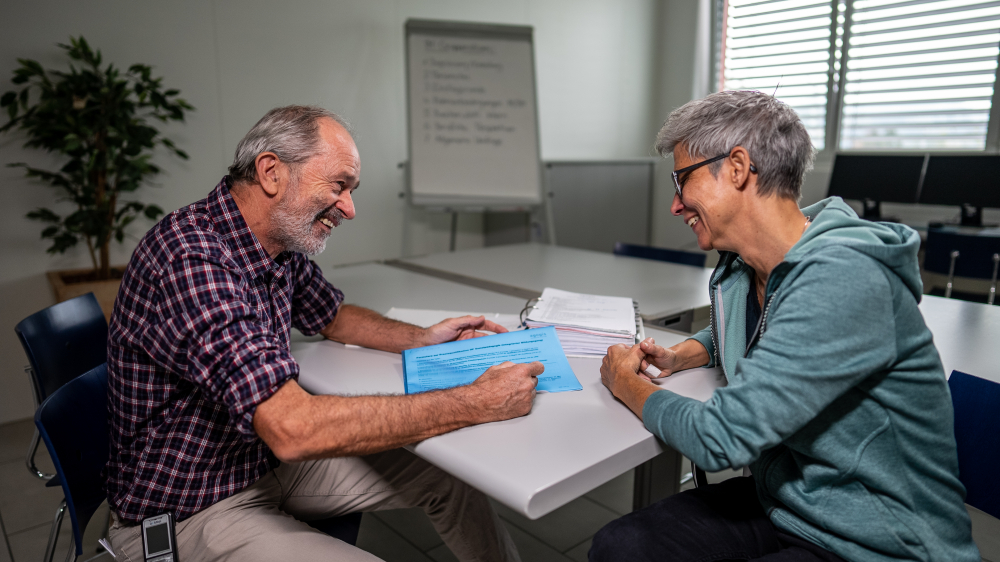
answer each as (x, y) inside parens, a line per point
(704, 337)
(830, 327)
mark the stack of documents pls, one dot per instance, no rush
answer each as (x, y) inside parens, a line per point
(587, 325)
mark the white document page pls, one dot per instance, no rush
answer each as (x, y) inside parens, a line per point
(596, 312)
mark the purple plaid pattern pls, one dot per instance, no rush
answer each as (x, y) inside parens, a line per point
(199, 337)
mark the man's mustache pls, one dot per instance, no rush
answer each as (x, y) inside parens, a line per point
(331, 214)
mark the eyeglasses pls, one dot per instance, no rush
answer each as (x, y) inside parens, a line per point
(677, 173)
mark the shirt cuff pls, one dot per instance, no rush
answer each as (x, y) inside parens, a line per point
(706, 341)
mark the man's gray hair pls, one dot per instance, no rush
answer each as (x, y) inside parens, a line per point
(291, 132)
(768, 129)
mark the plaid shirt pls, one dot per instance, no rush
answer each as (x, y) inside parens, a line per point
(199, 338)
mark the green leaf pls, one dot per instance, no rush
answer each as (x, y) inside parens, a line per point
(43, 215)
(153, 211)
(62, 242)
(8, 98)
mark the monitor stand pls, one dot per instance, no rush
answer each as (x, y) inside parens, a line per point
(972, 215)
(873, 210)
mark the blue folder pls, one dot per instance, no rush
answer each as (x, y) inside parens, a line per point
(461, 362)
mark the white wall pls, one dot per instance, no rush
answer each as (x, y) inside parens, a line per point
(680, 77)
(234, 60)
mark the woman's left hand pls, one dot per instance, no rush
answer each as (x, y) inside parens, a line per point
(621, 361)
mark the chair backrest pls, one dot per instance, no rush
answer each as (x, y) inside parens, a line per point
(975, 253)
(73, 423)
(63, 341)
(660, 254)
(977, 433)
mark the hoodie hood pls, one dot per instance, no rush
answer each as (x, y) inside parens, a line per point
(835, 223)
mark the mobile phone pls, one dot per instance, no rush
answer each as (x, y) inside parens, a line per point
(159, 543)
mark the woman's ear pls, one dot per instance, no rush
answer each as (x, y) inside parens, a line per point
(739, 159)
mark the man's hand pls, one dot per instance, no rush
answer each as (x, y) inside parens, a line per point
(463, 328)
(663, 358)
(367, 328)
(506, 390)
(298, 426)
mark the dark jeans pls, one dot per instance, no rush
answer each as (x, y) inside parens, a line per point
(708, 524)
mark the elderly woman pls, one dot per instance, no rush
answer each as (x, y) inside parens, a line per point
(836, 397)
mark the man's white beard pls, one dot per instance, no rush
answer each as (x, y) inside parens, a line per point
(293, 222)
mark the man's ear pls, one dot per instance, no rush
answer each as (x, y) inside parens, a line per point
(741, 167)
(268, 172)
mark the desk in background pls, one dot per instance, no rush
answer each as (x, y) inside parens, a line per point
(667, 293)
(380, 287)
(966, 335)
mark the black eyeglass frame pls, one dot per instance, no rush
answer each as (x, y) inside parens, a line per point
(676, 174)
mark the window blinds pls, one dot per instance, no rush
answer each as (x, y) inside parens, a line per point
(782, 47)
(920, 74)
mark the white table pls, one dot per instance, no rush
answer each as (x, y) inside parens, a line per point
(661, 289)
(569, 444)
(967, 335)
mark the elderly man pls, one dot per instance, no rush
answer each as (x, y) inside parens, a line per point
(836, 400)
(207, 420)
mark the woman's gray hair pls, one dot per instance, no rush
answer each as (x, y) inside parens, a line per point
(291, 132)
(768, 129)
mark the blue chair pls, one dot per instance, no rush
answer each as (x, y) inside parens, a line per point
(73, 423)
(977, 433)
(660, 254)
(62, 342)
(963, 254)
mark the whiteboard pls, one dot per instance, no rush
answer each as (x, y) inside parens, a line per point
(473, 124)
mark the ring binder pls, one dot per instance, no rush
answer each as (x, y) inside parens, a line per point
(586, 324)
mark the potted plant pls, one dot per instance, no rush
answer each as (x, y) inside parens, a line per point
(99, 119)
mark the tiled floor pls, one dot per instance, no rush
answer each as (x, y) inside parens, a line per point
(405, 535)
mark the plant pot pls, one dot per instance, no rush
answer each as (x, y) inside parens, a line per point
(70, 283)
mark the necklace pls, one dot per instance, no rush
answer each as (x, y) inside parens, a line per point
(806, 225)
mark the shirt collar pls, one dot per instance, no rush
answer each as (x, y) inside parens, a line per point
(247, 249)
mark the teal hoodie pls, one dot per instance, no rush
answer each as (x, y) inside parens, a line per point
(839, 405)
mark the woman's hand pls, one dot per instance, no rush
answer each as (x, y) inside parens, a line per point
(621, 361)
(620, 373)
(663, 358)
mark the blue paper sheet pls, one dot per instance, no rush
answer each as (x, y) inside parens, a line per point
(461, 362)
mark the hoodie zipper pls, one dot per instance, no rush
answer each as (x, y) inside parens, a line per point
(713, 318)
(761, 325)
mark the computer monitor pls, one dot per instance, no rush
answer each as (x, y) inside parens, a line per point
(970, 182)
(874, 178)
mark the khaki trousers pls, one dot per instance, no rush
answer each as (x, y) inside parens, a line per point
(263, 523)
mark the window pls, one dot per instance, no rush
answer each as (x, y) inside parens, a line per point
(919, 74)
(781, 47)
